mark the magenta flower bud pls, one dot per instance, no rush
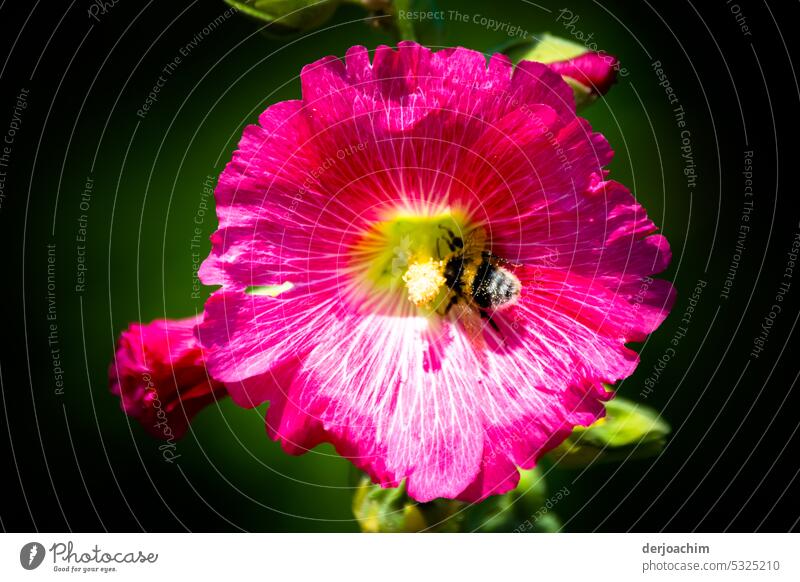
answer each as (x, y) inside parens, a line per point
(594, 70)
(590, 73)
(160, 376)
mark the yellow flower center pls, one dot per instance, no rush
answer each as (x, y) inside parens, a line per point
(404, 257)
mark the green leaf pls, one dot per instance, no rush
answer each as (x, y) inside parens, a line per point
(543, 48)
(550, 49)
(626, 423)
(628, 431)
(287, 16)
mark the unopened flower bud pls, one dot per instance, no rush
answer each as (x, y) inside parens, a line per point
(160, 376)
(590, 73)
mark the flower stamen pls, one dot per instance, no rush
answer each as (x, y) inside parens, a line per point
(424, 280)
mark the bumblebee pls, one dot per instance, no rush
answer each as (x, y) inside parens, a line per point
(477, 277)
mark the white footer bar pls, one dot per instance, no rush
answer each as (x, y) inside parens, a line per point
(409, 557)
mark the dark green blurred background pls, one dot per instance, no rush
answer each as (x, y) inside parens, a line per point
(84, 466)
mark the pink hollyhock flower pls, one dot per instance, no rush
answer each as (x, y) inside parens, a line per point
(597, 71)
(160, 377)
(378, 199)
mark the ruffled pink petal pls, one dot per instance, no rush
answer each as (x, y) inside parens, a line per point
(528, 166)
(601, 233)
(404, 395)
(422, 403)
(419, 400)
(249, 335)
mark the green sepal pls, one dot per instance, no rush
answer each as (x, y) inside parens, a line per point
(389, 510)
(628, 431)
(526, 508)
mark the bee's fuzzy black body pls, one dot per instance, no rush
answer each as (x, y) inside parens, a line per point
(478, 277)
(493, 286)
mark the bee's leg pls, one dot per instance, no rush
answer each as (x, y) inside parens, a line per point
(455, 242)
(488, 318)
(453, 301)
